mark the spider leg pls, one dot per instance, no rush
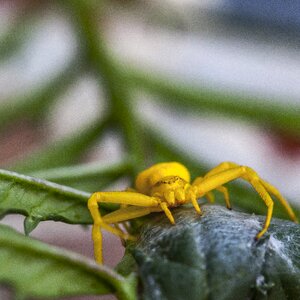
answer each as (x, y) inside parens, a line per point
(193, 198)
(270, 188)
(221, 167)
(126, 198)
(170, 197)
(164, 207)
(128, 213)
(217, 179)
(210, 196)
(169, 200)
(224, 190)
(180, 195)
(129, 189)
(273, 190)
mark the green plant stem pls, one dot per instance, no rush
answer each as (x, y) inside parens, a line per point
(62, 152)
(84, 172)
(202, 100)
(34, 104)
(164, 150)
(98, 58)
(16, 35)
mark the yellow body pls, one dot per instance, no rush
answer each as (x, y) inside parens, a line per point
(167, 185)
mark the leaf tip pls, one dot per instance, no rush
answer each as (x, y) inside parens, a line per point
(30, 223)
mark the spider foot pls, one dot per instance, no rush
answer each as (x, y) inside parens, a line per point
(130, 237)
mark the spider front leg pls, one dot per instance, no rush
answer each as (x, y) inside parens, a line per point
(229, 171)
(210, 196)
(127, 198)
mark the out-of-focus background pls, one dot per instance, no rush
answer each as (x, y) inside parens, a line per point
(247, 51)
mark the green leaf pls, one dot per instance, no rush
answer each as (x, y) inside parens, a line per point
(34, 269)
(203, 100)
(41, 200)
(215, 256)
(62, 152)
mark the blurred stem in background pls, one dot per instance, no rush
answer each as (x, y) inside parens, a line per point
(144, 145)
(201, 100)
(35, 104)
(25, 19)
(96, 56)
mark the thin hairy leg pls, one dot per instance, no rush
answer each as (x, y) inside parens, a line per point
(272, 190)
(221, 167)
(218, 179)
(126, 198)
(209, 195)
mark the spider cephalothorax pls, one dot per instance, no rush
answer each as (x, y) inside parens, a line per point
(167, 182)
(166, 185)
(158, 174)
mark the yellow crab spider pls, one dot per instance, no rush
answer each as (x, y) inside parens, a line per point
(167, 185)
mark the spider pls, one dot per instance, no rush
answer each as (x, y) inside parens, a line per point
(167, 185)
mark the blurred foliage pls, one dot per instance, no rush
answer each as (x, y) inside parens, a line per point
(60, 161)
(50, 272)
